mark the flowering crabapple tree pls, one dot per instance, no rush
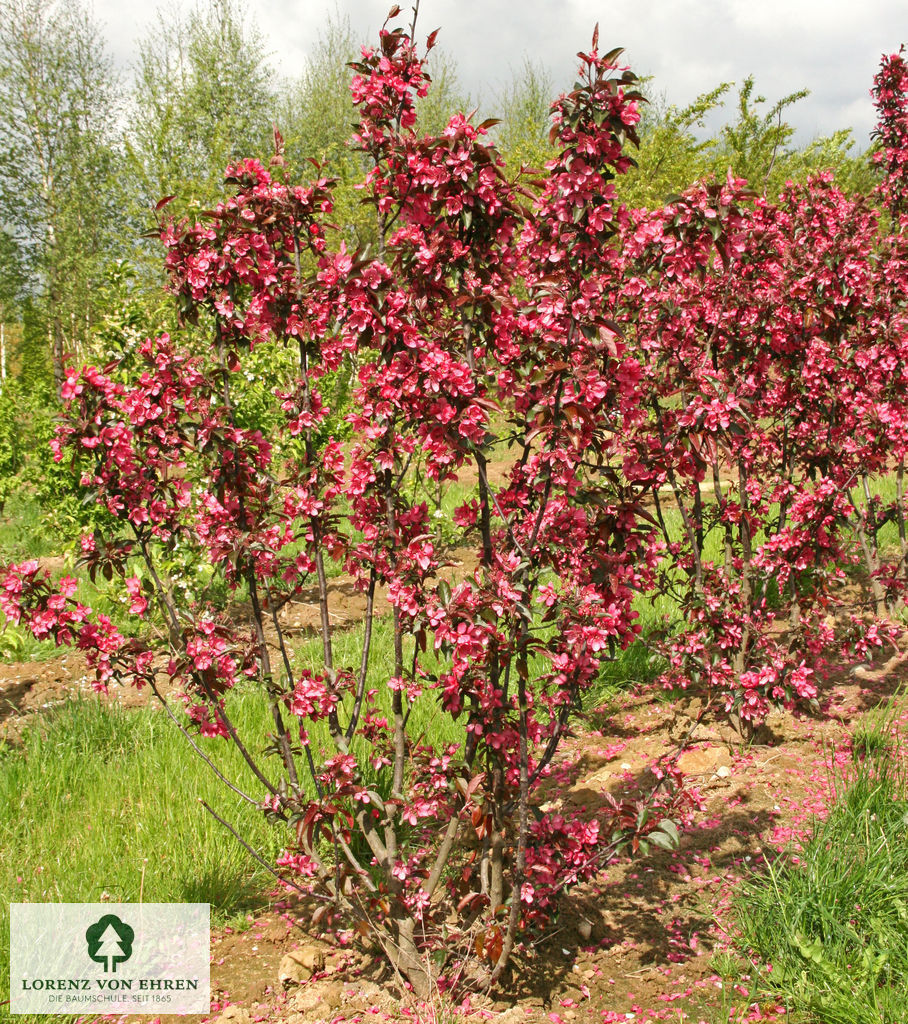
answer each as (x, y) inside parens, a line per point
(890, 97)
(771, 344)
(887, 366)
(766, 334)
(477, 327)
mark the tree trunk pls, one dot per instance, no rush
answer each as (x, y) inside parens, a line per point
(57, 343)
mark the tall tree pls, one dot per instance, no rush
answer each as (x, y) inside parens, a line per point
(57, 159)
(524, 107)
(202, 99)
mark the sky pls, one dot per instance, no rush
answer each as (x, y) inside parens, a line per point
(688, 46)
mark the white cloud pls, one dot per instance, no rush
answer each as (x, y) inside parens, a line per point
(832, 47)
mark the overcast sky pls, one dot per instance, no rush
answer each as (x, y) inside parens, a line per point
(689, 46)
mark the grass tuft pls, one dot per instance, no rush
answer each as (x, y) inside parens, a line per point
(827, 926)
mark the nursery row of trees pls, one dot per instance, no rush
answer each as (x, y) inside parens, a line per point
(699, 405)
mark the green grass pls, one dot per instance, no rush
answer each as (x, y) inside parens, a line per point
(99, 800)
(637, 665)
(833, 919)
(23, 533)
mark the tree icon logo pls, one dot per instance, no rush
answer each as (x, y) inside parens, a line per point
(109, 942)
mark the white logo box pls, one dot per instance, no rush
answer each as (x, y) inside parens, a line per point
(99, 958)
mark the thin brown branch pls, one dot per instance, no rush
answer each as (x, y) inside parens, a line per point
(257, 856)
(201, 753)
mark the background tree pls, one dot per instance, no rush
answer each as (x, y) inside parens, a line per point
(446, 97)
(757, 146)
(673, 151)
(203, 96)
(853, 168)
(756, 141)
(525, 112)
(314, 114)
(677, 148)
(11, 284)
(57, 160)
